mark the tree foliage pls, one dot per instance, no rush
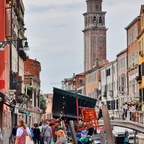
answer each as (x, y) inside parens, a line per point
(43, 104)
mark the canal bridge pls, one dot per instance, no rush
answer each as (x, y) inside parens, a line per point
(126, 124)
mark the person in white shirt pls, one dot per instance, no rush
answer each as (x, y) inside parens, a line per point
(134, 112)
(100, 110)
(130, 109)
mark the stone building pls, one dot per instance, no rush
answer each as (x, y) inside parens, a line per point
(12, 57)
(133, 30)
(122, 77)
(94, 34)
(109, 87)
(32, 69)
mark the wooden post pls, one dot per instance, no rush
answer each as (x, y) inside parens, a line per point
(77, 111)
(107, 125)
(73, 132)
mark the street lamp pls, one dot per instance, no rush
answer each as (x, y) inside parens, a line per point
(4, 43)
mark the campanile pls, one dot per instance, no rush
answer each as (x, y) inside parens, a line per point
(94, 34)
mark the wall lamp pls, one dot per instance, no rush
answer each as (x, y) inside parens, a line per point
(4, 43)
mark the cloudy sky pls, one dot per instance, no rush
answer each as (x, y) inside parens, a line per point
(54, 31)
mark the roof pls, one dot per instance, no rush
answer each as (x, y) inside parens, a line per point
(142, 9)
(64, 103)
(121, 52)
(133, 22)
(112, 62)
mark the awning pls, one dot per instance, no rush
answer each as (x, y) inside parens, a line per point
(64, 103)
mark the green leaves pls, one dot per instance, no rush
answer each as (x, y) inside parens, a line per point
(42, 103)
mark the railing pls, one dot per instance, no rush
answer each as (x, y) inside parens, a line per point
(126, 124)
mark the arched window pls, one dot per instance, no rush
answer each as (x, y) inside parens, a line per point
(94, 19)
(100, 19)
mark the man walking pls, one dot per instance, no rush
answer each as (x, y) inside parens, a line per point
(100, 110)
(47, 132)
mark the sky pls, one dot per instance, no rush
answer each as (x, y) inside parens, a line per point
(54, 32)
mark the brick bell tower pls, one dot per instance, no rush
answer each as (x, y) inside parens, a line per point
(94, 34)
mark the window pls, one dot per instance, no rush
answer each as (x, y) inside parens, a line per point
(97, 7)
(108, 72)
(94, 19)
(90, 7)
(123, 80)
(141, 70)
(100, 19)
(113, 85)
(113, 69)
(136, 58)
(140, 46)
(133, 59)
(80, 82)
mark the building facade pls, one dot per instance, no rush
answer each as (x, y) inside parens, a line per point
(92, 82)
(32, 82)
(75, 84)
(5, 114)
(94, 34)
(133, 30)
(109, 88)
(122, 77)
(49, 102)
(140, 38)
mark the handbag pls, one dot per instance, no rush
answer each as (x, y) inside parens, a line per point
(126, 140)
(28, 140)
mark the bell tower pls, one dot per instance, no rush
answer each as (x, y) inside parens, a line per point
(94, 34)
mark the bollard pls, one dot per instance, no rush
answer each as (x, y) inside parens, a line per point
(72, 129)
(107, 125)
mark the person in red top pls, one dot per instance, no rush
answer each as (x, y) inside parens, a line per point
(21, 133)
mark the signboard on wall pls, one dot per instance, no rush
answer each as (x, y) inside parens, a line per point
(8, 19)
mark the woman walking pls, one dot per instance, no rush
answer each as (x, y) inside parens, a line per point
(21, 133)
(61, 137)
(36, 133)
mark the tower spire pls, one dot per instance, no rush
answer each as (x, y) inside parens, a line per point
(94, 34)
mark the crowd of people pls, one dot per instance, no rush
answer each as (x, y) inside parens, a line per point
(41, 133)
(131, 108)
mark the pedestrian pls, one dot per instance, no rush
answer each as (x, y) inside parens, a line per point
(134, 113)
(47, 132)
(100, 110)
(126, 140)
(32, 134)
(21, 133)
(41, 133)
(130, 109)
(14, 130)
(90, 130)
(36, 132)
(61, 137)
(124, 108)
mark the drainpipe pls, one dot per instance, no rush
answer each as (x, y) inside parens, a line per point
(127, 69)
(11, 72)
(113, 90)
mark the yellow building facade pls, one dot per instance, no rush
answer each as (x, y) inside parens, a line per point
(140, 38)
